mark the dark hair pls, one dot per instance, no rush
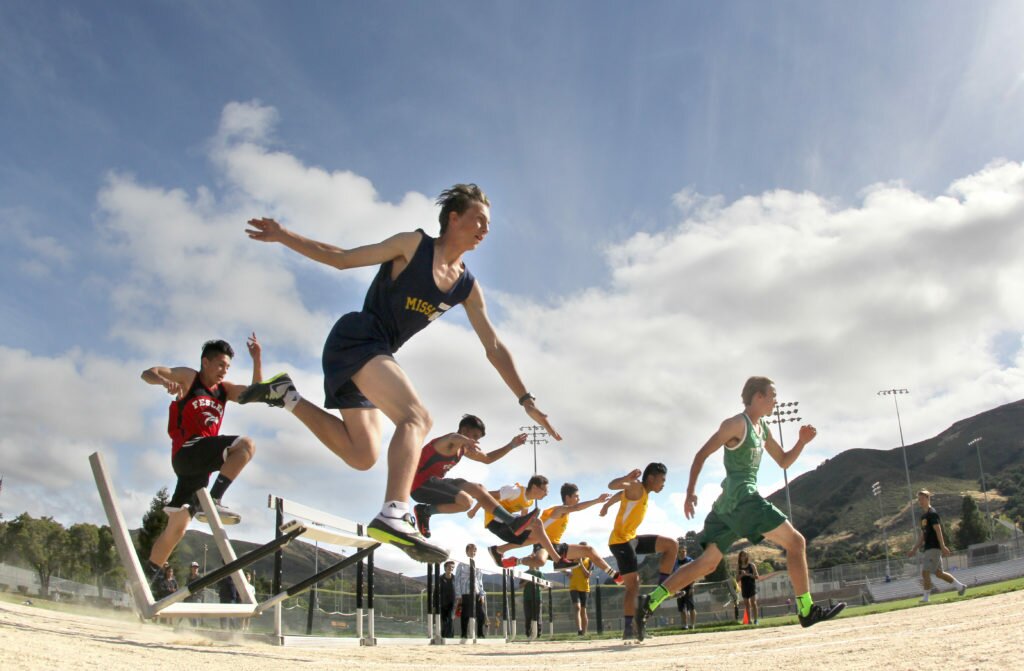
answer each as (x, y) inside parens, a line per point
(212, 348)
(472, 422)
(755, 385)
(742, 553)
(457, 199)
(654, 468)
(568, 489)
(537, 481)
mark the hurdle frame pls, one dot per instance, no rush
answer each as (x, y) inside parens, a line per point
(333, 530)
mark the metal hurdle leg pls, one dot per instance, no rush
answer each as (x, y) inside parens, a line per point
(359, 599)
(370, 638)
(504, 601)
(472, 599)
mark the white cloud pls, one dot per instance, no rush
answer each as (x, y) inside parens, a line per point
(833, 302)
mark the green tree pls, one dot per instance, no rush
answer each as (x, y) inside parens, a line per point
(95, 554)
(82, 538)
(153, 524)
(42, 543)
(972, 528)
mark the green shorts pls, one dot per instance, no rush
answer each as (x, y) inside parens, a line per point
(752, 518)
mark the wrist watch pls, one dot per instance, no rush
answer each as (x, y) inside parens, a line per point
(526, 397)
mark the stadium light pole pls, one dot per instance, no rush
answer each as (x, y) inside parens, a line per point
(976, 442)
(876, 491)
(783, 413)
(537, 435)
(906, 466)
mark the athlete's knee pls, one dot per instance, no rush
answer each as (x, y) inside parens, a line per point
(245, 447)
(671, 546)
(362, 460)
(797, 543)
(463, 501)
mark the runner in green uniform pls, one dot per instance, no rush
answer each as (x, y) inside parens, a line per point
(740, 511)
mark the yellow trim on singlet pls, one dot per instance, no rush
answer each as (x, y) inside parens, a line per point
(555, 528)
(629, 517)
(514, 505)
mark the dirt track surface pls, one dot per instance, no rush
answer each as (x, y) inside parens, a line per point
(982, 633)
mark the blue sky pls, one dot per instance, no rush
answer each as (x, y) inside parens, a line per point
(683, 194)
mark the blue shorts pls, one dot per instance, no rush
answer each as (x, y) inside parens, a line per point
(355, 339)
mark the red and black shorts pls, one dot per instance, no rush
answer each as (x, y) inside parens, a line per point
(436, 491)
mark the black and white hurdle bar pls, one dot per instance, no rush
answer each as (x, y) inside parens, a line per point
(326, 528)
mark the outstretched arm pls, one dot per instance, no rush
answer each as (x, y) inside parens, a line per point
(402, 245)
(785, 458)
(501, 358)
(610, 502)
(494, 455)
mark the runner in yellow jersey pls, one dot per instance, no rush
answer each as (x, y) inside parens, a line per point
(527, 527)
(626, 545)
(555, 520)
(579, 590)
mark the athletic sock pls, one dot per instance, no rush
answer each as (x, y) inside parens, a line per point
(925, 595)
(220, 485)
(394, 510)
(628, 623)
(503, 516)
(804, 603)
(662, 577)
(658, 595)
(291, 399)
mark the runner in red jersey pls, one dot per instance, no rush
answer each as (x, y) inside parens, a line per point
(197, 449)
(434, 493)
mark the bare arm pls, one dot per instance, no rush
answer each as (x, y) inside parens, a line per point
(499, 356)
(731, 430)
(400, 246)
(784, 458)
(620, 483)
(942, 540)
(610, 502)
(256, 352)
(175, 380)
(494, 455)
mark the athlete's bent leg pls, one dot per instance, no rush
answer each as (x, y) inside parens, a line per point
(239, 454)
(792, 541)
(177, 523)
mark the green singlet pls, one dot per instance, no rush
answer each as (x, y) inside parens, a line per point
(741, 464)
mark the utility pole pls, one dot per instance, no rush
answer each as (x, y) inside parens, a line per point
(537, 436)
(976, 442)
(876, 491)
(779, 417)
(906, 467)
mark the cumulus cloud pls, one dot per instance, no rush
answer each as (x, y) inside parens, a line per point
(833, 301)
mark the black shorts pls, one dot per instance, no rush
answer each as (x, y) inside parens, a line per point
(563, 549)
(579, 597)
(505, 533)
(685, 600)
(355, 339)
(625, 553)
(748, 589)
(436, 491)
(193, 464)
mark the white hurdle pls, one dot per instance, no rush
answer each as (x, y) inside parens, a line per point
(333, 530)
(174, 605)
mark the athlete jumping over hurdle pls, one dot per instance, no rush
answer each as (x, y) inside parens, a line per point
(419, 279)
(527, 528)
(436, 494)
(197, 449)
(740, 511)
(555, 520)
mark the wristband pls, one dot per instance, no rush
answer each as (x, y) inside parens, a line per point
(526, 397)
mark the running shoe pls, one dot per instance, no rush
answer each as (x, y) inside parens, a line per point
(523, 521)
(509, 562)
(616, 577)
(401, 533)
(495, 555)
(643, 612)
(819, 614)
(226, 515)
(422, 519)
(961, 590)
(564, 563)
(270, 391)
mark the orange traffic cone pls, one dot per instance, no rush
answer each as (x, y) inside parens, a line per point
(746, 616)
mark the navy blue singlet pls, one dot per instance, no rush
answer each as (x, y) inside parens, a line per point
(394, 311)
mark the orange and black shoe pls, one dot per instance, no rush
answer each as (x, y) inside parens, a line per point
(422, 519)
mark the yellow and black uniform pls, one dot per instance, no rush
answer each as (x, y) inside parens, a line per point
(554, 527)
(623, 542)
(579, 582)
(513, 499)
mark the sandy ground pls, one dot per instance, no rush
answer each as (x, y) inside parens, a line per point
(983, 633)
